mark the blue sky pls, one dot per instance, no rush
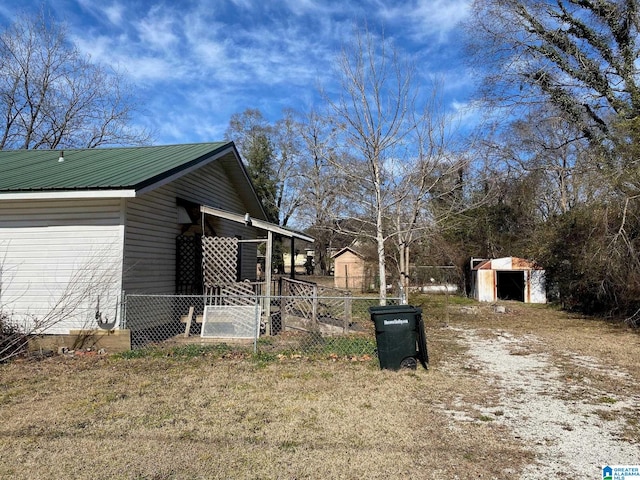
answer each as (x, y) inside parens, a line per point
(194, 63)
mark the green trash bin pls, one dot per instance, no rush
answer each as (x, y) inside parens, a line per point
(400, 336)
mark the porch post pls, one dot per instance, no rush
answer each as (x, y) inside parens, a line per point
(268, 267)
(292, 275)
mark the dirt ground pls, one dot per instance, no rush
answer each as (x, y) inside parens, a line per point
(531, 393)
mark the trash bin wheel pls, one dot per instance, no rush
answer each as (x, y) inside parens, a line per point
(410, 363)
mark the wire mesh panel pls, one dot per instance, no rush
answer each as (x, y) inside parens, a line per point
(230, 322)
(330, 337)
(158, 318)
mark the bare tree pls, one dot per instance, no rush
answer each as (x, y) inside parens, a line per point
(580, 55)
(547, 149)
(398, 161)
(319, 184)
(288, 166)
(430, 189)
(278, 173)
(51, 96)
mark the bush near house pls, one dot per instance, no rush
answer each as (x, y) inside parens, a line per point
(13, 341)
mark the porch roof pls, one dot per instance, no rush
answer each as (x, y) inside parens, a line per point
(254, 222)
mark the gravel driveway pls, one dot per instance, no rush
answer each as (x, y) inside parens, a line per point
(572, 426)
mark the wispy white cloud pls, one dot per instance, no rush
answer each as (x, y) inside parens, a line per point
(243, 4)
(427, 19)
(156, 30)
(114, 13)
(316, 7)
(199, 61)
(140, 67)
(111, 12)
(442, 15)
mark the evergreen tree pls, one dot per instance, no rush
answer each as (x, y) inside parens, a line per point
(259, 157)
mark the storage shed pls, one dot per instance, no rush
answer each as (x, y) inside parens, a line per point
(508, 278)
(349, 269)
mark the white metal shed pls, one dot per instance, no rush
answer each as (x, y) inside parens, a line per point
(508, 278)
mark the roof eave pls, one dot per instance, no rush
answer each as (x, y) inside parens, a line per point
(67, 194)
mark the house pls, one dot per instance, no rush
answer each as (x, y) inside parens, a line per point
(350, 270)
(302, 261)
(79, 227)
(508, 278)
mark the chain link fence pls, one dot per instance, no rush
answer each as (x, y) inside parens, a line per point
(296, 324)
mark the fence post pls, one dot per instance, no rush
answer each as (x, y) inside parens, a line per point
(256, 324)
(346, 277)
(347, 314)
(123, 311)
(284, 292)
(314, 307)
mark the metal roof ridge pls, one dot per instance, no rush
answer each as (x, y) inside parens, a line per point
(117, 147)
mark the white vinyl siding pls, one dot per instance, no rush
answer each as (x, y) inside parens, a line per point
(152, 228)
(150, 243)
(61, 254)
(211, 187)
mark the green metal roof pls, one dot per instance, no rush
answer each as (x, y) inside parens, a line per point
(100, 168)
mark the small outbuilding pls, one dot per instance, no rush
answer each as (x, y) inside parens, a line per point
(349, 269)
(508, 278)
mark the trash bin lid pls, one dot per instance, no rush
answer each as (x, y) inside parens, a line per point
(393, 309)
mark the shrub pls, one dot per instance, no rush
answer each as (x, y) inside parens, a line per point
(13, 341)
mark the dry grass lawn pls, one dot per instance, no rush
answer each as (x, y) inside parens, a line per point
(252, 417)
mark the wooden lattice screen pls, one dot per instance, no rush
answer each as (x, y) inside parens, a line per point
(188, 265)
(219, 261)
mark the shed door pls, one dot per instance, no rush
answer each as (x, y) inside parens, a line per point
(510, 285)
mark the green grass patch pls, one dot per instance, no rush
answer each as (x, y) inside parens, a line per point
(179, 351)
(608, 400)
(262, 359)
(439, 301)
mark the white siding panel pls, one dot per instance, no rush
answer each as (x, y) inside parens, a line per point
(150, 242)
(538, 286)
(502, 263)
(486, 286)
(61, 255)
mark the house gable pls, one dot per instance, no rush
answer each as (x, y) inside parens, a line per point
(152, 226)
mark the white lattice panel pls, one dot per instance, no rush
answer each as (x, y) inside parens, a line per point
(241, 293)
(219, 259)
